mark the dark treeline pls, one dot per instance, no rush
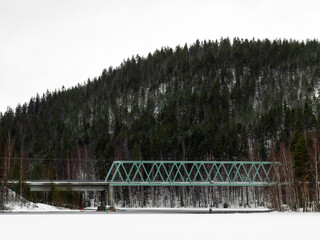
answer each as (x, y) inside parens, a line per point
(213, 100)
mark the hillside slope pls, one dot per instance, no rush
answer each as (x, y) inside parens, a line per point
(213, 100)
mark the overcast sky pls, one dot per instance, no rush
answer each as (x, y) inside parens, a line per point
(45, 44)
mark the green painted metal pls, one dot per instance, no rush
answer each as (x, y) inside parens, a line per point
(192, 173)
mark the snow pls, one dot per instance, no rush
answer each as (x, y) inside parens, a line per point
(18, 204)
(30, 221)
(160, 226)
(32, 207)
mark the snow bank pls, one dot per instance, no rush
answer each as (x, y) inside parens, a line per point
(32, 207)
(17, 203)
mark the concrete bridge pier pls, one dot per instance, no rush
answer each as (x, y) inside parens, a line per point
(110, 196)
(106, 197)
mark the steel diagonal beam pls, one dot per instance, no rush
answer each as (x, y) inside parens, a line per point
(201, 165)
(197, 172)
(110, 171)
(198, 166)
(218, 172)
(241, 165)
(237, 168)
(210, 172)
(178, 172)
(237, 174)
(183, 168)
(115, 173)
(266, 179)
(146, 172)
(162, 165)
(227, 174)
(195, 175)
(119, 170)
(125, 172)
(175, 165)
(187, 172)
(241, 175)
(158, 172)
(208, 177)
(165, 170)
(230, 171)
(257, 172)
(276, 167)
(130, 172)
(206, 172)
(248, 174)
(138, 171)
(135, 172)
(141, 175)
(169, 175)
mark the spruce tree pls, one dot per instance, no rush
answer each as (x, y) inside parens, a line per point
(301, 165)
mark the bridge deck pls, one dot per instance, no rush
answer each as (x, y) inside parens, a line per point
(36, 185)
(239, 184)
(65, 185)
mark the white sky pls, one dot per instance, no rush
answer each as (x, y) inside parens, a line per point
(45, 44)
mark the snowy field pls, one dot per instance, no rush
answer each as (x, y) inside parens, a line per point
(161, 226)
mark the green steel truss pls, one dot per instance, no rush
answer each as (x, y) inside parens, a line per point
(192, 173)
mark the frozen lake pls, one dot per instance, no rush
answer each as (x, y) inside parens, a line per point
(160, 226)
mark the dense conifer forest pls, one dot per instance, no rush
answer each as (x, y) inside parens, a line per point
(229, 100)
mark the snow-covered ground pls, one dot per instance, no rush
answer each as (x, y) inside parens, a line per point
(18, 204)
(133, 224)
(33, 207)
(160, 226)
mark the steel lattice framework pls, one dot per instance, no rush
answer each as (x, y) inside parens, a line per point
(192, 173)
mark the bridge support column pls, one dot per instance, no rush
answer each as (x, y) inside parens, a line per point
(110, 196)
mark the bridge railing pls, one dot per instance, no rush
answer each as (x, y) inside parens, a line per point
(192, 173)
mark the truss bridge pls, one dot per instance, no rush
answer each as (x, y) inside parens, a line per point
(192, 173)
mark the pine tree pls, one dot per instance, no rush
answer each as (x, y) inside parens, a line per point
(301, 165)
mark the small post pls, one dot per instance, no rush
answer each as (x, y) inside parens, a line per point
(107, 209)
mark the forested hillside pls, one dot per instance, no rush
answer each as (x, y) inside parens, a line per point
(213, 100)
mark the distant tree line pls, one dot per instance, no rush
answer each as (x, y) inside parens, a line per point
(212, 100)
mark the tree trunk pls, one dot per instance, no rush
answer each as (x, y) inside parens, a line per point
(316, 172)
(20, 179)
